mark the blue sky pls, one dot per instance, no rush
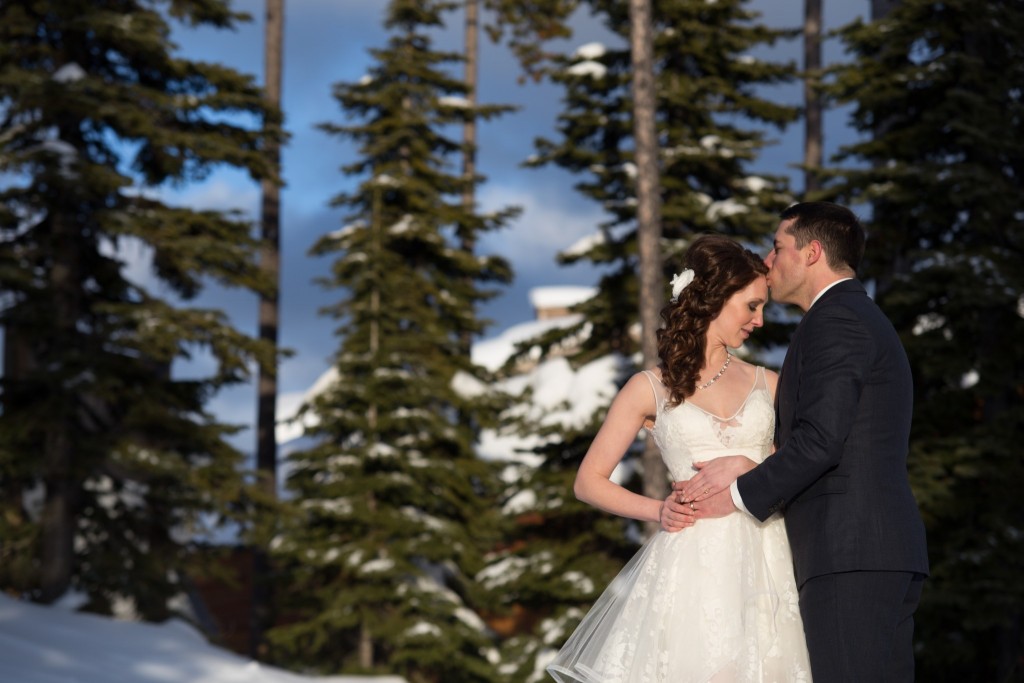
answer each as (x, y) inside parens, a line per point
(327, 41)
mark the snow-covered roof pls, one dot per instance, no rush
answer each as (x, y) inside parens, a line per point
(561, 296)
(492, 353)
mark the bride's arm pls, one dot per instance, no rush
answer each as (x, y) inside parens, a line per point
(634, 403)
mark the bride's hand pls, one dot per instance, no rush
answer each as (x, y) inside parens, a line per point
(713, 476)
(674, 515)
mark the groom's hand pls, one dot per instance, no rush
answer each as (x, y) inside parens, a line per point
(714, 476)
(677, 515)
(716, 505)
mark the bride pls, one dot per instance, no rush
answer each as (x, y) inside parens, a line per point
(716, 602)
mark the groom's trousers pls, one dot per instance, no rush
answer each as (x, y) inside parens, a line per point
(860, 626)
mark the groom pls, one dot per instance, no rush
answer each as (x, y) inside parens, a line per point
(843, 410)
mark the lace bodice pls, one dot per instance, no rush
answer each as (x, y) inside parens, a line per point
(685, 433)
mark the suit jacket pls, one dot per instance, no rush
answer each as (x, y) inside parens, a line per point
(843, 411)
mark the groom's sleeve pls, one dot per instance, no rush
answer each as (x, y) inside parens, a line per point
(836, 354)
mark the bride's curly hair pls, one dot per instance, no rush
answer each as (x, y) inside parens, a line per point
(721, 267)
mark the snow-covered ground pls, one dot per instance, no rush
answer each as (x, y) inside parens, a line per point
(56, 645)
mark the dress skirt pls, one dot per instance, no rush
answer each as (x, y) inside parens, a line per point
(713, 603)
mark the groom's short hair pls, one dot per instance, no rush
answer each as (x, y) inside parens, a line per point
(836, 227)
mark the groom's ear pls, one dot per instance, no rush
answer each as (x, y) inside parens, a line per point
(814, 252)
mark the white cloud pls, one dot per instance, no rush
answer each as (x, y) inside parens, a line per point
(544, 228)
(223, 192)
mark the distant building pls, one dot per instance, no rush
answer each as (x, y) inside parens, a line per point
(552, 307)
(556, 302)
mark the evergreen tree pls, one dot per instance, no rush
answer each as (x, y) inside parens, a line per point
(394, 509)
(96, 115)
(711, 126)
(936, 88)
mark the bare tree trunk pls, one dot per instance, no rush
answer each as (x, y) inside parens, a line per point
(57, 532)
(58, 519)
(648, 218)
(467, 239)
(469, 128)
(814, 136)
(365, 648)
(269, 317)
(270, 256)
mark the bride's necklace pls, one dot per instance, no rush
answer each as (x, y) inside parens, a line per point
(728, 359)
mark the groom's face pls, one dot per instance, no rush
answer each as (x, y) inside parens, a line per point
(785, 263)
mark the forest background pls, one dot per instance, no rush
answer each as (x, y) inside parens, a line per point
(129, 273)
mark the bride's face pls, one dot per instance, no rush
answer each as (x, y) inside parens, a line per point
(741, 315)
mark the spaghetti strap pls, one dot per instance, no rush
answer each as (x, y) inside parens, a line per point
(762, 379)
(656, 386)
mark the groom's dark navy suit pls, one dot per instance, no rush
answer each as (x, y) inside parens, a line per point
(843, 411)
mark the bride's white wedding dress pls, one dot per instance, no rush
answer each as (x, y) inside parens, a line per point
(713, 603)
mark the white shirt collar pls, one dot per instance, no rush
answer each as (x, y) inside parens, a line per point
(827, 287)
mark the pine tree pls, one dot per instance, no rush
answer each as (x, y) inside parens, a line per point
(711, 126)
(936, 89)
(97, 117)
(394, 509)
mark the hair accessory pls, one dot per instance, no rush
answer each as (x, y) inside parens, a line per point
(679, 283)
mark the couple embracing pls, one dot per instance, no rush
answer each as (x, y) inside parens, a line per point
(791, 545)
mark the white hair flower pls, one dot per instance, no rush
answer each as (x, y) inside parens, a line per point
(680, 281)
